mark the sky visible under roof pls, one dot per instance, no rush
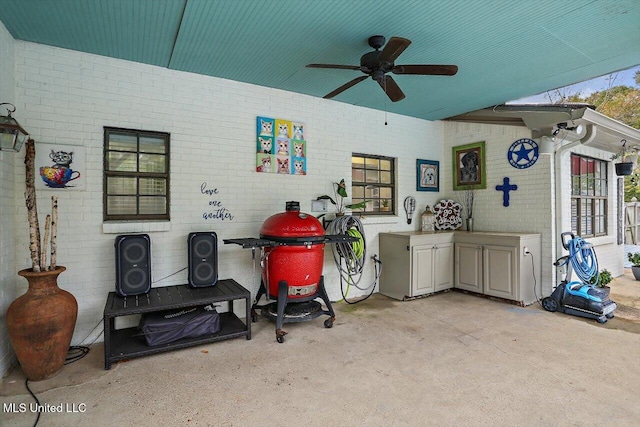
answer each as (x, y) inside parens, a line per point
(586, 88)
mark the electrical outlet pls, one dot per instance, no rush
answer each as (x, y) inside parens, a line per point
(526, 251)
(318, 206)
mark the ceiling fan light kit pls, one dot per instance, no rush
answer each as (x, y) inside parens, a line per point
(377, 63)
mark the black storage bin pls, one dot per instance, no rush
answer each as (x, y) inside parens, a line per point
(164, 327)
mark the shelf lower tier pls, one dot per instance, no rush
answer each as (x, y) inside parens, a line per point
(126, 345)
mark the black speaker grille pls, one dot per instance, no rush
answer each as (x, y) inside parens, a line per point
(133, 264)
(203, 259)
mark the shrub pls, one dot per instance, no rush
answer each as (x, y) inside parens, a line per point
(634, 258)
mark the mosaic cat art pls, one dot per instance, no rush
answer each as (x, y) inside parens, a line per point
(283, 147)
(298, 149)
(298, 132)
(266, 127)
(283, 130)
(61, 159)
(298, 167)
(265, 145)
(265, 166)
(283, 165)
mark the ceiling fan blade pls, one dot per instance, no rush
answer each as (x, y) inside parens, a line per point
(393, 49)
(334, 66)
(345, 87)
(391, 88)
(430, 70)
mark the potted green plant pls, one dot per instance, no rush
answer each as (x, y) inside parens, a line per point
(604, 279)
(627, 160)
(340, 195)
(634, 259)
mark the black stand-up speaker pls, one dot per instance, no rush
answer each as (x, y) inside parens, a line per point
(203, 259)
(133, 264)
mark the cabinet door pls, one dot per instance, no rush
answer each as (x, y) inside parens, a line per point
(422, 270)
(443, 266)
(500, 271)
(468, 267)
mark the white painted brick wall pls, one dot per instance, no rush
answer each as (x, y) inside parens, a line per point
(8, 189)
(610, 254)
(67, 97)
(532, 204)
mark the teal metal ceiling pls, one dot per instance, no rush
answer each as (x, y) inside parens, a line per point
(505, 49)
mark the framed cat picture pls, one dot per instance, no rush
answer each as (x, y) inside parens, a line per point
(59, 167)
(427, 175)
(281, 146)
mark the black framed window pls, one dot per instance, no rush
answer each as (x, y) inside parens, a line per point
(136, 175)
(589, 198)
(373, 179)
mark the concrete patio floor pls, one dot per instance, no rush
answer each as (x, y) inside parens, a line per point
(452, 359)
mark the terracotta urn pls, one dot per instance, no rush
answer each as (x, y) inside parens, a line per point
(41, 324)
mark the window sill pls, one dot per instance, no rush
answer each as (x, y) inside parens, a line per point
(601, 240)
(119, 227)
(379, 219)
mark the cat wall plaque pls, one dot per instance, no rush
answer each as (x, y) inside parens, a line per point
(281, 147)
(59, 166)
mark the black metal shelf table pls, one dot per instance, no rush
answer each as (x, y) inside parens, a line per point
(126, 343)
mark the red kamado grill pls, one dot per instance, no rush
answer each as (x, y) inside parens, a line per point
(292, 244)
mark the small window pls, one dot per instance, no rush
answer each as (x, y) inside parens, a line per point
(136, 175)
(373, 179)
(589, 200)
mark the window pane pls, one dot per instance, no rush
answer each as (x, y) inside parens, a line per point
(575, 185)
(152, 145)
(152, 163)
(358, 193)
(118, 185)
(122, 142)
(372, 176)
(377, 173)
(357, 175)
(372, 163)
(583, 166)
(121, 205)
(575, 165)
(121, 162)
(153, 205)
(153, 186)
(590, 186)
(574, 216)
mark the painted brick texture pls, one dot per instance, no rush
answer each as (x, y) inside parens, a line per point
(67, 97)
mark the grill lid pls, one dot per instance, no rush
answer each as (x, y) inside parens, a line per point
(292, 226)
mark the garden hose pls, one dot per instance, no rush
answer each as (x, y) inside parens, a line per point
(350, 257)
(583, 260)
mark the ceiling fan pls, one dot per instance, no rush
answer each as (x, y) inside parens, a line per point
(380, 62)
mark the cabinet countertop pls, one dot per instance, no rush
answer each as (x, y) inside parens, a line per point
(463, 233)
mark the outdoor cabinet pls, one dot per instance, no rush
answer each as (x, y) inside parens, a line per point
(415, 263)
(496, 264)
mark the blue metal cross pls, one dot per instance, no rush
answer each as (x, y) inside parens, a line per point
(505, 188)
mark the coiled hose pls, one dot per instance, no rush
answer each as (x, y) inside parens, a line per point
(353, 254)
(583, 260)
